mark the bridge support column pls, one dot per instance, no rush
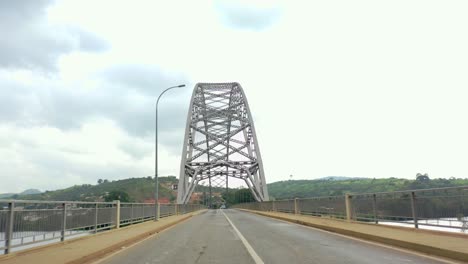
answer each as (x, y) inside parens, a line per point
(117, 214)
(349, 211)
(9, 230)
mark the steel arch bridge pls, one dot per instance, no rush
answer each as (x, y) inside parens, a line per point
(220, 142)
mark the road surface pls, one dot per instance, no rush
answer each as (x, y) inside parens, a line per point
(231, 236)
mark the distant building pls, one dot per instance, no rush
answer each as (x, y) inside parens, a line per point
(196, 197)
(163, 200)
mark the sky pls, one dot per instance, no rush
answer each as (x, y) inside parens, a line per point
(336, 88)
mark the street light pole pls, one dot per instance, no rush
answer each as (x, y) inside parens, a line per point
(156, 194)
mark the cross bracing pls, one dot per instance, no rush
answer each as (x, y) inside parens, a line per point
(220, 142)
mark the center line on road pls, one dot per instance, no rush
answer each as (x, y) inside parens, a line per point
(249, 248)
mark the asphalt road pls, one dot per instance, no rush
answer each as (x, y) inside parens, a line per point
(211, 238)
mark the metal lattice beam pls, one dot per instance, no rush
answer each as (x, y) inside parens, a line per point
(220, 142)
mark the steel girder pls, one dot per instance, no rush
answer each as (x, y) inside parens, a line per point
(220, 142)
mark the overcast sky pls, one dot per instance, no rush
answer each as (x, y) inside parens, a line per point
(349, 88)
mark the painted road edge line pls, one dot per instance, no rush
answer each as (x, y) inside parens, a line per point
(246, 243)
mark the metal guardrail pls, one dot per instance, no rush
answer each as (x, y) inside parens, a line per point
(23, 223)
(443, 208)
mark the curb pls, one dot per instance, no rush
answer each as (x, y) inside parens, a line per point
(446, 253)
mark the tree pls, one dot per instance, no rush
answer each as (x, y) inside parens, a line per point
(122, 196)
(99, 181)
(105, 181)
(422, 177)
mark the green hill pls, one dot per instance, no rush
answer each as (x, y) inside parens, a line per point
(332, 187)
(14, 195)
(138, 189)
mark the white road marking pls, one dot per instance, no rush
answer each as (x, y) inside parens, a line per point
(246, 243)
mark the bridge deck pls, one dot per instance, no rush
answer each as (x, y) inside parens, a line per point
(220, 236)
(232, 236)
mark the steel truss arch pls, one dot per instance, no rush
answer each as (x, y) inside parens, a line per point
(220, 141)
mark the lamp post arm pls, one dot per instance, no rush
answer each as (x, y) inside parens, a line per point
(159, 97)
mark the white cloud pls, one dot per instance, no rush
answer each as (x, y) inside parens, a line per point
(30, 41)
(359, 88)
(253, 15)
(49, 158)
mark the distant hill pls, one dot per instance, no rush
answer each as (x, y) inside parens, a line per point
(340, 178)
(332, 187)
(6, 195)
(30, 191)
(138, 190)
(10, 195)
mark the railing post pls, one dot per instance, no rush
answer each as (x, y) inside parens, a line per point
(348, 204)
(156, 211)
(64, 222)
(413, 209)
(117, 214)
(132, 216)
(296, 209)
(9, 230)
(374, 205)
(176, 209)
(274, 206)
(96, 217)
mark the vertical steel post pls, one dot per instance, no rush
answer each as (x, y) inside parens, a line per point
(64, 222)
(9, 230)
(117, 214)
(413, 209)
(96, 217)
(132, 216)
(158, 210)
(176, 209)
(210, 201)
(348, 204)
(374, 205)
(296, 209)
(274, 206)
(156, 184)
